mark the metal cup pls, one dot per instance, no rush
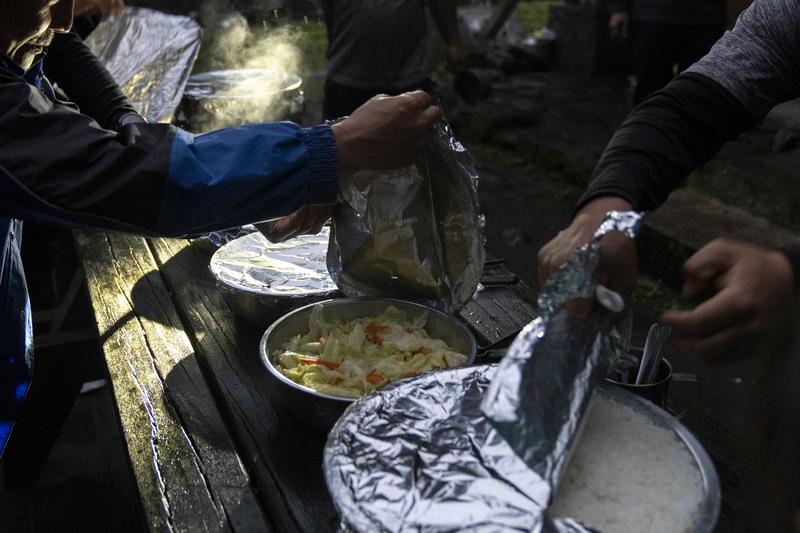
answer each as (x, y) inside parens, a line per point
(657, 391)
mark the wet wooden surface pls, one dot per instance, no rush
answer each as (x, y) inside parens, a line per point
(191, 389)
(188, 472)
(176, 351)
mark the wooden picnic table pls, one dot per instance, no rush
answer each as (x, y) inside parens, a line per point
(209, 443)
(210, 446)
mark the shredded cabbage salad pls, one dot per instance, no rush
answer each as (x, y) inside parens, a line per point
(353, 358)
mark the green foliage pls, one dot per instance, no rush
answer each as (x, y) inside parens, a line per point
(534, 14)
(313, 41)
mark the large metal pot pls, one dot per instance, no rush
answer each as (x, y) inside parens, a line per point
(322, 410)
(226, 98)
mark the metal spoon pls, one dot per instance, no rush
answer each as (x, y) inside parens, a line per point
(657, 337)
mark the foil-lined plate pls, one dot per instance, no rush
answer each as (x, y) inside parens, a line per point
(419, 455)
(264, 280)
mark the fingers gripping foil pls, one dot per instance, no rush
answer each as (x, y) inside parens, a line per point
(542, 387)
(574, 279)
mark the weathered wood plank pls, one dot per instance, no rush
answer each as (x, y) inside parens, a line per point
(186, 467)
(496, 312)
(283, 455)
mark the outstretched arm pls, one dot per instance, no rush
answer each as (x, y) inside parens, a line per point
(750, 70)
(59, 166)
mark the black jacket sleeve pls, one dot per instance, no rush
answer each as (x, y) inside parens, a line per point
(665, 138)
(59, 166)
(84, 25)
(78, 72)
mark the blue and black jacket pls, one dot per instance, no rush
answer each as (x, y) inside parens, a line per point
(58, 166)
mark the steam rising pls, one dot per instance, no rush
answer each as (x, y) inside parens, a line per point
(255, 78)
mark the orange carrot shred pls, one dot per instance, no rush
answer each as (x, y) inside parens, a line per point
(313, 361)
(374, 377)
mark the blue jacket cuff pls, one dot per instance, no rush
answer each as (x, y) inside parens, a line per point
(322, 169)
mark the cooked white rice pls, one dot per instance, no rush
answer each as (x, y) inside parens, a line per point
(628, 474)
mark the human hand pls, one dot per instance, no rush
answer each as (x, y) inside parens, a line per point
(305, 221)
(386, 132)
(105, 7)
(616, 269)
(754, 288)
(618, 25)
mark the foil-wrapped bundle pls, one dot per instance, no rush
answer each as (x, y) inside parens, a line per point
(150, 54)
(480, 448)
(412, 233)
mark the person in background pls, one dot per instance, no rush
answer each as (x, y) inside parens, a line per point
(378, 47)
(666, 34)
(60, 166)
(750, 70)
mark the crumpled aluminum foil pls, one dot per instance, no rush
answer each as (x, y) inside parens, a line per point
(420, 456)
(412, 233)
(480, 448)
(150, 54)
(262, 281)
(293, 268)
(543, 385)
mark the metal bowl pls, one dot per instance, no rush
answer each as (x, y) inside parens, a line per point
(322, 410)
(262, 281)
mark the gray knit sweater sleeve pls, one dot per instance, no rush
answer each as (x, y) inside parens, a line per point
(759, 60)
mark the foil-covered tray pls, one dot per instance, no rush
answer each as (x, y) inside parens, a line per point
(243, 83)
(264, 280)
(150, 54)
(420, 455)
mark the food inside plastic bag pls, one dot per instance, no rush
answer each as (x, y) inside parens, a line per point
(412, 233)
